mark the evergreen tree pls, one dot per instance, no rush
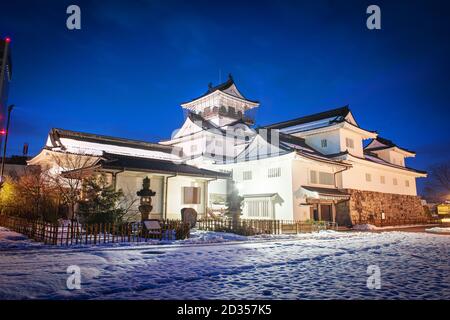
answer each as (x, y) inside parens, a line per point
(100, 202)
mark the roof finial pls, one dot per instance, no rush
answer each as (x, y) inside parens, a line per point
(230, 77)
(210, 85)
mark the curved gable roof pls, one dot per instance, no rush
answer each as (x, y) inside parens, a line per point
(335, 115)
(228, 87)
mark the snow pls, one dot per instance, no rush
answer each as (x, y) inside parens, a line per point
(211, 265)
(438, 230)
(364, 227)
(371, 227)
(97, 149)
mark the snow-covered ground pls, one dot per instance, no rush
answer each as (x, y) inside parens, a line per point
(371, 227)
(439, 230)
(325, 265)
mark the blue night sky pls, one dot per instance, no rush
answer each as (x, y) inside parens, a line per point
(126, 72)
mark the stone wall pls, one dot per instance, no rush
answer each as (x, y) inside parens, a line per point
(363, 204)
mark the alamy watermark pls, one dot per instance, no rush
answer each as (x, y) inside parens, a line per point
(374, 279)
(73, 282)
(73, 21)
(374, 20)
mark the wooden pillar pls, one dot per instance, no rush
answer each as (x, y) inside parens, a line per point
(206, 198)
(333, 210)
(319, 211)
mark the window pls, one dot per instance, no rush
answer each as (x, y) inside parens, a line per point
(326, 178)
(394, 181)
(382, 180)
(246, 175)
(274, 172)
(407, 183)
(191, 195)
(349, 143)
(323, 143)
(313, 176)
(368, 177)
(258, 208)
(193, 148)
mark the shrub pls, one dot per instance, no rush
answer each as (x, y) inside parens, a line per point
(100, 202)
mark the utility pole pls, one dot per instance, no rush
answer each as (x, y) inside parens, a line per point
(10, 108)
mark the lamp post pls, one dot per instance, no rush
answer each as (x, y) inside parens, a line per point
(10, 108)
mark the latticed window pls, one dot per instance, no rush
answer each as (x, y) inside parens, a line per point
(382, 180)
(368, 177)
(324, 143)
(323, 177)
(326, 178)
(313, 176)
(258, 208)
(349, 143)
(274, 172)
(246, 175)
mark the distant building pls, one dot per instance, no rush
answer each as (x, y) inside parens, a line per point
(16, 166)
(5, 79)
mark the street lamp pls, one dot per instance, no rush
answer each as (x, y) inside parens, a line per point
(10, 108)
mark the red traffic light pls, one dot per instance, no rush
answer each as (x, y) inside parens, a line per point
(8, 39)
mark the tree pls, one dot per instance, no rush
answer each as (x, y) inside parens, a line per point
(34, 196)
(8, 196)
(100, 203)
(438, 182)
(67, 176)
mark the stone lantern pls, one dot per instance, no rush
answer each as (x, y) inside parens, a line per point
(146, 195)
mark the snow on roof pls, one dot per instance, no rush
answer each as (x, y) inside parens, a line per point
(228, 87)
(381, 144)
(96, 145)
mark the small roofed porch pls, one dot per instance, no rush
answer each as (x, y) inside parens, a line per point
(325, 203)
(176, 185)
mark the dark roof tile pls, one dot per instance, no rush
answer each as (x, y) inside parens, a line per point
(121, 162)
(338, 113)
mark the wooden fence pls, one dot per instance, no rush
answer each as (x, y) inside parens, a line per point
(398, 222)
(252, 227)
(74, 233)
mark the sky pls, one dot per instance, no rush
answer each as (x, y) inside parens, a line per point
(130, 66)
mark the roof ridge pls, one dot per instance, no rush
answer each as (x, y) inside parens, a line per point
(341, 111)
(221, 87)
(111, 139)
(387, 144)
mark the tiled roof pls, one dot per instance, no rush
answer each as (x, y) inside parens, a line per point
(326, 191)
(56, 134)
(221, 87)
(373, 157)
(338, 114)
(288, 143)
(122, 162)
(386, 144)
